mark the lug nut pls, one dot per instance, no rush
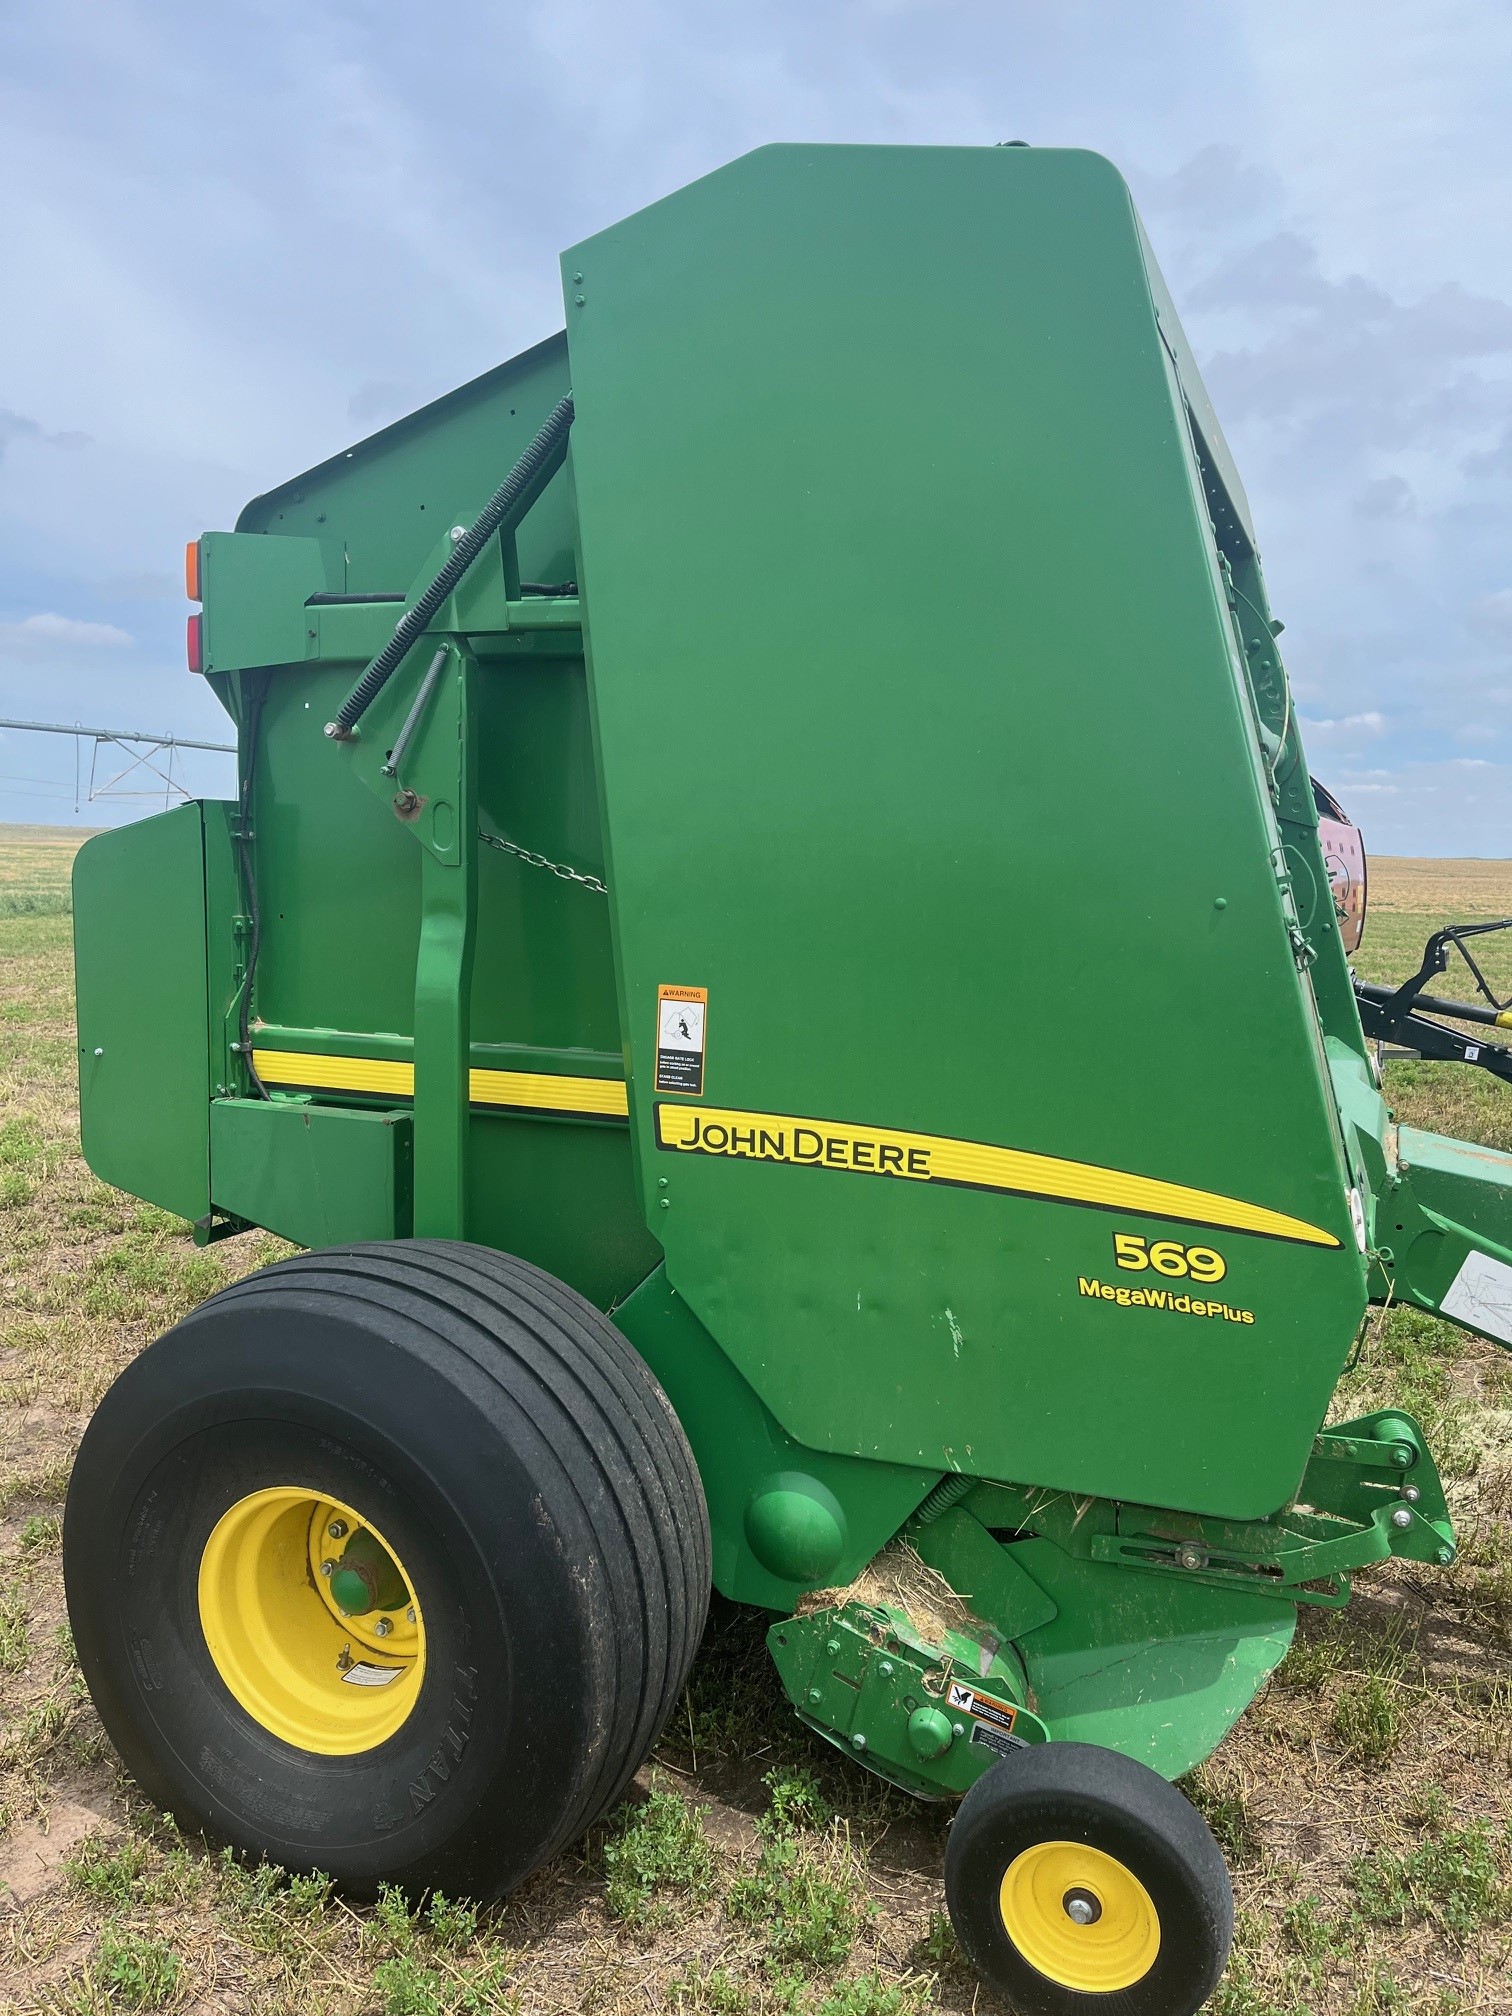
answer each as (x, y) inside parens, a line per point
(384, 1626)
(337, 1530)
(328, 1566)
(409, 1614)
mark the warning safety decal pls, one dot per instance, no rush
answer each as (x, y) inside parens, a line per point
(682, 1017)
(934, 1158)
(992, 1720)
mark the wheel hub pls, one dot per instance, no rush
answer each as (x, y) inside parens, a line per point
(324, 1651)
(1079, 1916)
(1081, 1907)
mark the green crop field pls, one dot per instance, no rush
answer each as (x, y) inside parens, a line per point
(1364, 1804)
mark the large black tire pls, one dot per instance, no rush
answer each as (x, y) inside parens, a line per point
(530, 1479)
(1081, 1884)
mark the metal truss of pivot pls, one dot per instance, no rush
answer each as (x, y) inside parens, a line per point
(145, 756)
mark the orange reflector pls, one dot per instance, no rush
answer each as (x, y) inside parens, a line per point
(192, 571)
(194, 640)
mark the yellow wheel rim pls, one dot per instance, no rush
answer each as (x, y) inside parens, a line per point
(1080, 1917)
(303, 1670)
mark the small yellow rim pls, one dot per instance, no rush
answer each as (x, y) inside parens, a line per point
(309, 1675)
(1079, 1917)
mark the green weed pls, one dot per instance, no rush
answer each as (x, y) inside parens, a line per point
(1452, 1879)
(1314, 1934)
(451, 1925)
(937, 1945)
(811, 1913)
(712, 1992)
(1222, 1804)
(15, 1646)
(137, 1971)
(811, 1916)
(1367, 1718)
(797, 1803)
(109, 1874)
(870, 1995)
(660, 1854)
(42, 1533)
(419, 1976)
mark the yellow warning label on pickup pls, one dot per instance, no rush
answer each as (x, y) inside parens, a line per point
(971, 1165)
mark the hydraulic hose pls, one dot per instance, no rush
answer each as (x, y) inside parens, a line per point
(540, 460)
(249, 878)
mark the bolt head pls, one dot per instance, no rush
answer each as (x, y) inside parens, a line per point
(816, 1695)
(886, 1669)
(1190, 1557)
(457, 532)
(1402, 1518)
(1412, 1494)
(858, 1741)
(410, 1614)
(1081, 1907)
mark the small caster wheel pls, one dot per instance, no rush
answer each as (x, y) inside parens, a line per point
(1080, 1881)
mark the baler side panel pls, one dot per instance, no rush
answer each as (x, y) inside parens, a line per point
(143, 1008)
(915, 698)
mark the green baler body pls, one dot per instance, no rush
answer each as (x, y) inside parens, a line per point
(918, 704)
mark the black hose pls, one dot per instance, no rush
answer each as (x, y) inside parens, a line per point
(249, 880)
(549, 444)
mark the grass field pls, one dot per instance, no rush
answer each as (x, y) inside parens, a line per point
(1364, 1803)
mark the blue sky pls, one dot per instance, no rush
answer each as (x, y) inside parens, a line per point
(235, 240)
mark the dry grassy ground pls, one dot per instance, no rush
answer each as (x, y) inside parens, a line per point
(1364, 1803)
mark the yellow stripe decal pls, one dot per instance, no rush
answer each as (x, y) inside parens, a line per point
(528, 1091)
(934, 1158)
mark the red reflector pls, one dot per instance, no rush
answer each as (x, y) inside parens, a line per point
(195, 642)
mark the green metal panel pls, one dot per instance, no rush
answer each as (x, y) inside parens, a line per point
(917, 703)
(256, 592)
(742, 1454)
(144, 1045)
(318, 1175)
(1160, 1670)
(379, 507)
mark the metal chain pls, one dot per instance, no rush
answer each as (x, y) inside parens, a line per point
(557, 868)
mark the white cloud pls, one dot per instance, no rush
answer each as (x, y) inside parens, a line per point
(1348, 728)
(49, 634)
